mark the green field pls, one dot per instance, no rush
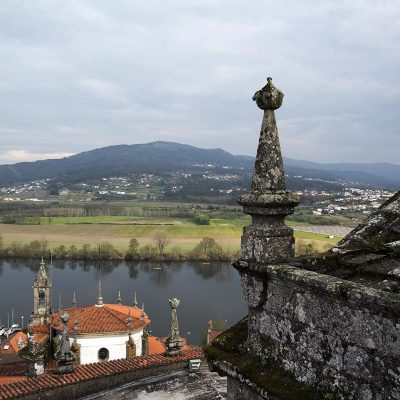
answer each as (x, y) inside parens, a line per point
(118, 230)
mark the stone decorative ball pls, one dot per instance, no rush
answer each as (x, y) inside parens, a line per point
(269, 97)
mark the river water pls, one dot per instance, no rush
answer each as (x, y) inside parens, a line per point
(207, 291)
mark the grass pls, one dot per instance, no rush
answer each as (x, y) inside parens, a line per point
(118, 230)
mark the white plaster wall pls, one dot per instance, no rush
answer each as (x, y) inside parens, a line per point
(116, 345)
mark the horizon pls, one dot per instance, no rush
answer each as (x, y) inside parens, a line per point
(80, 76)
(59, 156)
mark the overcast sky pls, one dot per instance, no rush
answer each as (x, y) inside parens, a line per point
(77, 75)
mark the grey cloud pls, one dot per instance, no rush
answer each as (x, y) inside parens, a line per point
(82, 74)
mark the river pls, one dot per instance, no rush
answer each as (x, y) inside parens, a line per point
(207, 291)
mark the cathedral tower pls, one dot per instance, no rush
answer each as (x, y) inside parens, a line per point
(41, 297)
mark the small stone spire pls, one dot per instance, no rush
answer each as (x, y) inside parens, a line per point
(41, 278)
(174, 343)
(119, 299)
(142, 314)
(59, 304)
(99, 297)
(64, 356)
(76, 320)
(135, 302)
(129, 321)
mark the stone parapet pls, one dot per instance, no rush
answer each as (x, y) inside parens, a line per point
(338, 336)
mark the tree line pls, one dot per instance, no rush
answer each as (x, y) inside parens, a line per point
(206, 250)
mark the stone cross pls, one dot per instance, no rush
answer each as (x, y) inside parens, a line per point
(174, 343)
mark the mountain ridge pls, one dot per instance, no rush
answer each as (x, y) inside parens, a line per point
(161, 157)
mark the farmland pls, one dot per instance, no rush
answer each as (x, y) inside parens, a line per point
(118, 230)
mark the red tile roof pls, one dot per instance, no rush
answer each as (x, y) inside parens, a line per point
(10, 345)
(93, 371)
(4, 380)
(156, 345)
(103, 319)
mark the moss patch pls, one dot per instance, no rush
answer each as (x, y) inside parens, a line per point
(229, 348)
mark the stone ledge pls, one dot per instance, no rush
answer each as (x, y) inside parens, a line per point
(345, 290)
(263, 376)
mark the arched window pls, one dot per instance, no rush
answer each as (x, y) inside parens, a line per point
(103, 354)
(42, 298)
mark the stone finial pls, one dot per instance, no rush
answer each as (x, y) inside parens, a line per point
(268, 202)
(174, 343)
(135, 302)
(119, 299)
(76, 319)
(59, 304)
(269, 97)
(268, 175)
(99, 296)
(142, 314)
(129, 321)
(42, 278)
(64, 356)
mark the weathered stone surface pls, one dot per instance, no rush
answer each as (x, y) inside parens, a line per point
(267, 239)
(322, 328)
(379, 231)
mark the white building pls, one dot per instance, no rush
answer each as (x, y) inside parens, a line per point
(103, 332)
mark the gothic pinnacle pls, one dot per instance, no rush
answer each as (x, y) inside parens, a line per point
(135, 303)
(99, 297)
(119, 299)
(142, 314)
(59, 304)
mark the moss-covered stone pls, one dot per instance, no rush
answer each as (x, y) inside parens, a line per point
(228, 352)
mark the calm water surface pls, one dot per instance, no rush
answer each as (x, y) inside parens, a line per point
(206, 291)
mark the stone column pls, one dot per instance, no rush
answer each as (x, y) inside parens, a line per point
(174, 343)
(267, 240)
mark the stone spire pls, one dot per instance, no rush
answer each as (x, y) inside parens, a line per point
(64, 356)
(41, 278)
(119, 299)
(142, 314)
(135, 302)
(99, 297)
(59, 308)
(267, 240)
(41, 297)
(75, 346)
(76, 320)
(129, 320)
(174, 343)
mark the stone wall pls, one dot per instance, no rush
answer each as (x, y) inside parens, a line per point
(328, 332)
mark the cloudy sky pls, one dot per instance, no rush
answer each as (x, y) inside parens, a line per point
(77, 75)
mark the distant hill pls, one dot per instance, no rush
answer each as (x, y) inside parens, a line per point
(163, 158)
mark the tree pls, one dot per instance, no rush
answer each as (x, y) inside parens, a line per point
(148, 252)
(133, 246)
(162, 241)
(201, 219)
(86, 251)
(208, 248)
